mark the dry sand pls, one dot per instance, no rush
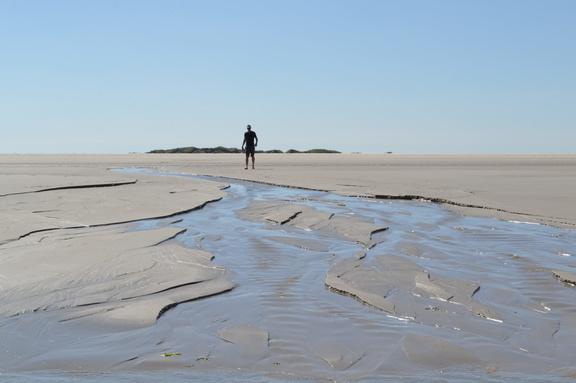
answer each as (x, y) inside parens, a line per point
(538, 187)
(72, 263)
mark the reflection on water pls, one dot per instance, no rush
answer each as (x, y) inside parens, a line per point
(280, 274)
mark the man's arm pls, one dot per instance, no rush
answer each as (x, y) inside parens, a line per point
(256, 137)
(243, 143)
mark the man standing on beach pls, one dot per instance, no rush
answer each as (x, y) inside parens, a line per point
(249, 144)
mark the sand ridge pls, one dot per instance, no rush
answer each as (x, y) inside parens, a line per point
(307, 218)
(65, 245)
(114, 200)
(113, 275)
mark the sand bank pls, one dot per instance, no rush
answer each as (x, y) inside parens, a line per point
(50, 200)
(539, 187)
(65, 244)
(112, 276)
(308, 219)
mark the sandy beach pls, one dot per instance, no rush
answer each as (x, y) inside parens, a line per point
(538, 187)
(447, 263)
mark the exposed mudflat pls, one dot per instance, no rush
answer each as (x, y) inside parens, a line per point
(303, 284)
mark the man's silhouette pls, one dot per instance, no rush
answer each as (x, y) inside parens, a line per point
(249, 144)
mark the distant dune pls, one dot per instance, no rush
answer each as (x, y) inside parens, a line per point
(313, 151)
(221, 149)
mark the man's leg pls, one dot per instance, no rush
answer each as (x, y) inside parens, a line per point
(253, 160)
(247, 154)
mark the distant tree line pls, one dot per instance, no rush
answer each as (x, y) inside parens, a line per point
(222, 149)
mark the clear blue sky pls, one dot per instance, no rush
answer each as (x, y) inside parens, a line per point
(408, 76)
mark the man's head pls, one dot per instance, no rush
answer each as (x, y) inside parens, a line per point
(249, 127)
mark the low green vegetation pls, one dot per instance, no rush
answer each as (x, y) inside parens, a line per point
(222, 149)
(170, 354)
(313, 151)
(193, 149)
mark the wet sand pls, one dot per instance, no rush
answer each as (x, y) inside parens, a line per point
(96, 267)
(66, 246)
